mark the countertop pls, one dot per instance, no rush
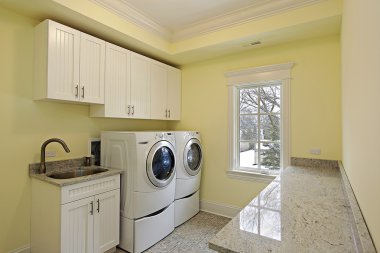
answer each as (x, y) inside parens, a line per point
(67, 165)
(304, 209)
(76, 180)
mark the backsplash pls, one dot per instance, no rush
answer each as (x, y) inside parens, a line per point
(315, 163)
(55, 166)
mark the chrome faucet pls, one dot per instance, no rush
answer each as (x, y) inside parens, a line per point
(43, 148)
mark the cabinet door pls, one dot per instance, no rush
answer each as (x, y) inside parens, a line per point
(63, 62)
(158, 80)
(92, 61)
(174, 93)
(106, 221)
(117, 81)
(77, 226)
(139, 89)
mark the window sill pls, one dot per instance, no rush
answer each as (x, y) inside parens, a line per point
(251, 176)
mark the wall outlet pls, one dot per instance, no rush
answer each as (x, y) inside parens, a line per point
(50, 153)
(315, 151)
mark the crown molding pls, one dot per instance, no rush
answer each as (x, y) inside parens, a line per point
(129, 13)
(255, 11)
(240, 16)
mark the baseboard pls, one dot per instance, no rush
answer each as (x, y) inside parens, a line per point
(219, 208)
(25, 249)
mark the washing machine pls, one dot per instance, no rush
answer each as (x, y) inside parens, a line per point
(189, 165)
(147, 184)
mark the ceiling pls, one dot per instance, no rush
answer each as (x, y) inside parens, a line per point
(175, 15)
(180, 32)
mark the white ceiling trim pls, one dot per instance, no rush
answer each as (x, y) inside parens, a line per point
(127, 12)
(240, 16)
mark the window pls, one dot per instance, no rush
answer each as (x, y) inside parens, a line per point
(259, 139)
(259, 121)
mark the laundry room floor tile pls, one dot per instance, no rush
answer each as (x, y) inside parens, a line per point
(192, 236)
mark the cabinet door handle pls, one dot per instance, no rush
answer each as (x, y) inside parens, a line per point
(129, 109)
(133, 110)
(76, 91)
(92, 207)
(166, 113)
(169, 113)
(98, 205)
(82, 91)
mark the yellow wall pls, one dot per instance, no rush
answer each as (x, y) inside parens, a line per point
(361, 106)
(315, 109)
(25, 124)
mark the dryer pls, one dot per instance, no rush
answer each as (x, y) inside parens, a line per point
(189, 165)
(147, 184)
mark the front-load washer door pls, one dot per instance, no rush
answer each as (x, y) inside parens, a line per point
(161, 164)
(192, 157)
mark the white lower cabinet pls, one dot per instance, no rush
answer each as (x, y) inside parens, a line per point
(91, 224)
(106, 220)
(78, 226)
(86, 221)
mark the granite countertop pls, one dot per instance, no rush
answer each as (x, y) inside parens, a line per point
(304, 209)
(67, 165)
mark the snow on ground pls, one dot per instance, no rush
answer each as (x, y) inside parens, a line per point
(248, 158)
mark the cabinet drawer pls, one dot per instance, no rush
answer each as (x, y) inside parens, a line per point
(86, 189)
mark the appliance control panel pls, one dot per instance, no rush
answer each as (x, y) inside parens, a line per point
(165, 136)
(160, 136)
(190, 135)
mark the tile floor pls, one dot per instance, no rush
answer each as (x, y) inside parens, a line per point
(192, 236)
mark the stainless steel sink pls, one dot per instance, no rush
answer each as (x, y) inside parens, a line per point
(80, 172)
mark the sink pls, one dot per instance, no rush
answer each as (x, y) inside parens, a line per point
(80, 172)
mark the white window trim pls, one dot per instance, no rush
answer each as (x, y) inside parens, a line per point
(245, 77)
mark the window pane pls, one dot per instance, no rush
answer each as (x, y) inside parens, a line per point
(248, 155)
(248, 127)
(248, 100)
(270, 127)
(270, 99)
(270, 156)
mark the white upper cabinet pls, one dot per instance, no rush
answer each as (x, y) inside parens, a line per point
(92, 60)
(174, 94)
(158, 93)
(69, 64)
(165, 87)
(117, 81)
(73, 66)
(139, 90)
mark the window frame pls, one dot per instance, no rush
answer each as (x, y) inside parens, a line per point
(249, 78)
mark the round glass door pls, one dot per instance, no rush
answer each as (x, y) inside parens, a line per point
(161, 164)
(192, 157)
